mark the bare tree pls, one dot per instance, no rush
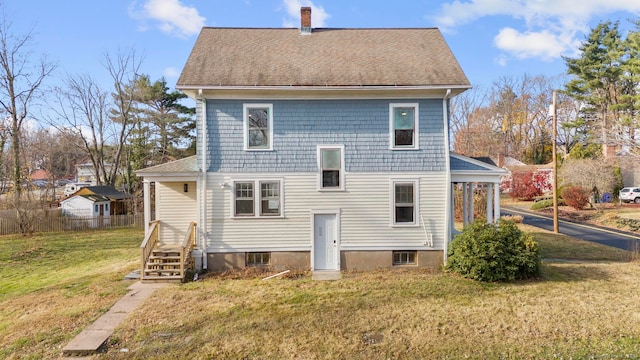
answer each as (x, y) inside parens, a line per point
(100, 120)
(21, 77)
(593, 174)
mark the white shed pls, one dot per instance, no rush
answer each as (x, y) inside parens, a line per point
(91, 205)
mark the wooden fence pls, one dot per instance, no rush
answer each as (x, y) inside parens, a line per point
(51, 224)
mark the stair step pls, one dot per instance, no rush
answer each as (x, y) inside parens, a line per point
(156, 257)
(147, 270)
(172, 263)
(155, 278)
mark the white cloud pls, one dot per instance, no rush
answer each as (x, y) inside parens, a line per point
(550, 28)
(171, 16)
(543, 44)
(319, 16)
(170, 73)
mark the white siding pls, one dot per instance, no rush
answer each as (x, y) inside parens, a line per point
(365, 214)
(175, 209)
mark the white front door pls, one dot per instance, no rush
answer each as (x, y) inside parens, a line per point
(325, 242)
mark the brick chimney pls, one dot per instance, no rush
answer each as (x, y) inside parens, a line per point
(305, 20)
(500, 160)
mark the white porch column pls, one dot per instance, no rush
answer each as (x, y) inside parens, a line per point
(489, 202)
(465, 215)
(146, 191)
(452, 212)
(471, 203)
(496, 206)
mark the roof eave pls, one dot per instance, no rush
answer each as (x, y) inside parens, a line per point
(198, 91)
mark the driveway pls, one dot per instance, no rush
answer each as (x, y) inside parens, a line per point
(616, 238)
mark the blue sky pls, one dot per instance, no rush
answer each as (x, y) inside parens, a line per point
(490, 38)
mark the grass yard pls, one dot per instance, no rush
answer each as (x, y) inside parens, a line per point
(53, 285)
(584, 307)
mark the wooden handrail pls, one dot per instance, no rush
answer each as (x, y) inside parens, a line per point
(188, 244)
(148, 244)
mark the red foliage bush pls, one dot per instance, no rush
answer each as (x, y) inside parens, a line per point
(524, 185)
(575, 196)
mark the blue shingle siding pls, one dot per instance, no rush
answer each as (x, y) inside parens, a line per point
(300, 125)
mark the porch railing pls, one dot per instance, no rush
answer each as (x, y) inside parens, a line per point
(188, 245)
(149, 243)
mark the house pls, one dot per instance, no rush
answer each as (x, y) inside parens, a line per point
(626, 160)
(320, 149)
(86, 173)
(87, 205)
(118, 200)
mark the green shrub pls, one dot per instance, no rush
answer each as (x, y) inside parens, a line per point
(488, 252)
(544, 204)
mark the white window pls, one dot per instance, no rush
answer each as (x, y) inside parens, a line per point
(257, 198)
(331, 167)
(258, 126)
(404, 202)
(403, 126)
(270, 198)
(244, 204)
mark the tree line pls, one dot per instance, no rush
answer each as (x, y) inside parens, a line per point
(598, 103)
(135, 123)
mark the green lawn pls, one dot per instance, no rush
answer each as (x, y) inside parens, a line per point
(582, 308)
(53, 285)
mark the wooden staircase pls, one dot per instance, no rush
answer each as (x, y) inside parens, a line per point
(165, 262)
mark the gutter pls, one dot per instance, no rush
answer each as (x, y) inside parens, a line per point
(448, 213)
(203, 190)
(200, 88)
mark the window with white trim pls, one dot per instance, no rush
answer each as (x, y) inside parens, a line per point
(331, 167)
(257, 198)
(404, 257)
(405, 202)
(269, 198)
(244, 204)
(258, 126)
(403, 126)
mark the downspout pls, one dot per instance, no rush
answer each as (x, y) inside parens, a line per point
(448, 221)
(203, 190)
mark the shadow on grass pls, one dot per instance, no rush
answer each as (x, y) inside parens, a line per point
(570, 271)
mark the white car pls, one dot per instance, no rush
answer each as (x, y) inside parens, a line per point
(629, 194)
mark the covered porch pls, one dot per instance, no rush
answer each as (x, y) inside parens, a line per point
(171, 213)
(471, 177)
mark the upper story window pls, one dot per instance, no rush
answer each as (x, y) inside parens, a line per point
(405, 202)
(257, 198)
(403, 126)
(331, 167)
(258, 126)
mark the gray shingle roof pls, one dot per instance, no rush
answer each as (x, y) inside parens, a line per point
(186, 165)
(327, 57)
(109, 192)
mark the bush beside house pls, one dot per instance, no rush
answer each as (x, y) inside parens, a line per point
(489, 252)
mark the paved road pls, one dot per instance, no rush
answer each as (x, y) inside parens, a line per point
(619, 239)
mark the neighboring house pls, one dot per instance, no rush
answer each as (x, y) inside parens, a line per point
(86, 206)
(119, 201)
(628, 162)
(543, 172)
(86, 173)
(321, 149)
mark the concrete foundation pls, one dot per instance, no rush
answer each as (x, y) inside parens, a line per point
(280, 260)
(301, 260)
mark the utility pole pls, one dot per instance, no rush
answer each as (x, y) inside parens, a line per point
(555, 166)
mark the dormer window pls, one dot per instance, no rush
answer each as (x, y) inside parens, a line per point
(403, 126)
(258, 127)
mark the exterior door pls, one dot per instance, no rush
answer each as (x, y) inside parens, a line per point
(325, 242)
